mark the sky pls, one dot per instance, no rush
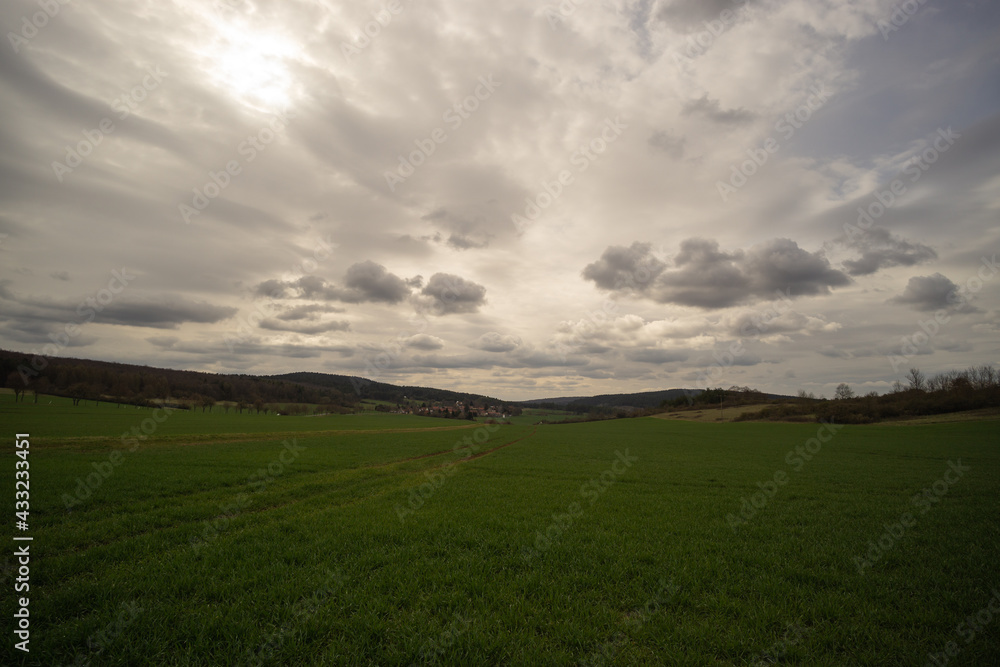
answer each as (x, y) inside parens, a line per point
(515, 199)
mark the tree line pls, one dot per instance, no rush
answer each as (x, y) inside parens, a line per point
(82, 379)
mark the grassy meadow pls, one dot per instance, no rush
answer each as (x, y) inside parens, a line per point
(383, 539)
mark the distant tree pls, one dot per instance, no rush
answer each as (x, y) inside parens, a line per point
(258, 405)
(15, 383)
(844, 391)
(77, 392)
(806, 394)
(917, 379)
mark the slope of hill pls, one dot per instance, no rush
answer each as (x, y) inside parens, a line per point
(129, 383)
(644, 399)
(381, 391)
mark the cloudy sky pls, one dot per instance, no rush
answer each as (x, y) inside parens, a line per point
(517, 199)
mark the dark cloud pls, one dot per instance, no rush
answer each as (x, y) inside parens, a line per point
(462, 242)
(424, 342)
(158, 311)
(308, 311)
(470, 228)
(712, 110)
(447, 294)
(625, 268)
(163, 312)
(497, 342)
(933, 292)
(364, 282)
(666, 142)
(689, 15)
(306, 328)
(706, 277)
(368, 281)
(882, 250)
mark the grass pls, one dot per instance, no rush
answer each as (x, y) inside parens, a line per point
(505, 560)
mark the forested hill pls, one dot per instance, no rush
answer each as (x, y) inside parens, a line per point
(381, 391)
(644, 399)
(129, 383)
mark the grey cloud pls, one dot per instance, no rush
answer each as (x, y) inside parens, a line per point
(656, 355)
(881, 250)
(465, 242)
(447, 294)
(468, 229)
(60, 275)
(307, 328)
(368, 281)
(933, 292)
(712, 110)
(163, 312)
(706, 277)
(364, 282)
(667, 143)
(497, 342)
(424, 342)
(688, 15)
(215, 349)
(159, 311)
(308, 311)
(620, 267)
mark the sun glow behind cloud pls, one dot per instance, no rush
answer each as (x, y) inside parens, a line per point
(251, 63)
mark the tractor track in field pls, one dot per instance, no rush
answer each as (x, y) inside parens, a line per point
(490, 451)
(81, 548)
(201, 439)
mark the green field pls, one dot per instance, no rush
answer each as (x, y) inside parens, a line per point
(371, 540)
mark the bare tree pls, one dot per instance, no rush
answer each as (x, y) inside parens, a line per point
(844, 391)
(15, 383)
(917, 379)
